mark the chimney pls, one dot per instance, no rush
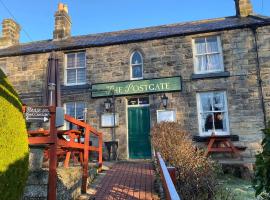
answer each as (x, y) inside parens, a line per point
(10, 33)
(62, 23)
(243, 8)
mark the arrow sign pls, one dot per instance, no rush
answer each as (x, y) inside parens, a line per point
(37, 114)
(33, 119)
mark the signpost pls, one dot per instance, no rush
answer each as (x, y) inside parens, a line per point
(37, 114)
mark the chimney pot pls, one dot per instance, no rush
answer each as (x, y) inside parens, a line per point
(60, 6)
(66, 8)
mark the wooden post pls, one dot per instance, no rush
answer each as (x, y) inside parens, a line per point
(172, 173)
(53, 157)
(85, 159)
(100, 152)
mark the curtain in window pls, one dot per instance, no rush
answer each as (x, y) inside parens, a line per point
(208, 55)
(200, 46)
(213, 62)
(212, 45)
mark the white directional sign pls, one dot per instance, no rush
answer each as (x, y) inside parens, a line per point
(37, 114)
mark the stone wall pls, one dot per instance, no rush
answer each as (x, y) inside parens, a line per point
(69, 182)
(163, 58)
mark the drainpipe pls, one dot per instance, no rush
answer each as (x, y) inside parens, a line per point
(258, 67)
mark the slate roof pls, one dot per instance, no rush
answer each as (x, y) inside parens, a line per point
(135, 35)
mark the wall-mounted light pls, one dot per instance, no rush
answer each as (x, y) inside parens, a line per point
(107, 104)
(164, 100)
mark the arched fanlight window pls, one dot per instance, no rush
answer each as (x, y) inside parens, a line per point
(136, 64)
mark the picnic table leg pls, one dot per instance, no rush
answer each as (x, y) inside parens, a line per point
(75, 160)
(81, 157)
(234, 150)
(209, 146)
(67, 159)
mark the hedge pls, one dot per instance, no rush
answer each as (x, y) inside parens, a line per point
(13, 143)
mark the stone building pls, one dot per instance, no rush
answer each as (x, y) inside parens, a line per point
(215, 74)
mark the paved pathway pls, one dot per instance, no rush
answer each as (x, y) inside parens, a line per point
(127, 180)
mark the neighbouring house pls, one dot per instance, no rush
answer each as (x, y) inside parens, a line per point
(213, 74)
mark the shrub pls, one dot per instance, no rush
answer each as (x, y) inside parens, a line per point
(261, 182)
(13, 143)
(196, 176)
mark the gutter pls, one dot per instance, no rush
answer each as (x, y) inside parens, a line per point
(258, 68)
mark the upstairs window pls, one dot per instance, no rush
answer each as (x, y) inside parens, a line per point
(136, 65)
(208, 56)
(75, 68)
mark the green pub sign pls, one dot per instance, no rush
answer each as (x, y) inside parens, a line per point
(123, 88)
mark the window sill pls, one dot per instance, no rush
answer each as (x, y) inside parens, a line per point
(134, 79)
(198, 138)
(75, 87)
(210, 75)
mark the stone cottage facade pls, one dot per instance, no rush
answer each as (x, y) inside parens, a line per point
(215, 74)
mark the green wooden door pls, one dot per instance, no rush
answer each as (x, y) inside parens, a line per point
(139, 133)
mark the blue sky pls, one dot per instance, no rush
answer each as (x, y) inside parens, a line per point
(95, 16)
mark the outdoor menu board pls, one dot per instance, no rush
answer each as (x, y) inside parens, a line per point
(107, 120)
(166, 115)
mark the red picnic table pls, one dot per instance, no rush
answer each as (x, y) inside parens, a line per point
(220, 144)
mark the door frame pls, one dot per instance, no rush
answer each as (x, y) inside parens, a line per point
(132, 106)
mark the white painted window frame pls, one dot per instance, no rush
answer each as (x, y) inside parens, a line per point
(220, 52)
(76, 68)
(199, 112)
(131, 66)
(66, 125)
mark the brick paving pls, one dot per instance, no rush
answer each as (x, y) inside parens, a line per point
(128, 180)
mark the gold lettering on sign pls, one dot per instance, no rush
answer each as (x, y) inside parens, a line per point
(151, 87)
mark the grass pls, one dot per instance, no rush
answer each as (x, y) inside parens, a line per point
(233, 188)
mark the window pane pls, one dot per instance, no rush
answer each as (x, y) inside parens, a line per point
(212, 45)
(143, 100)
(70, 109)
(133, 101)
(207, 122)
(79, 110)
(81, 75)
(200, 45)
(81, 59)
(137, 71)
(214, 62)
(220, 121)
(218, 101)
(71, 76)
(71, 60)
(136, 58)
(202, 63)
(206, 102)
